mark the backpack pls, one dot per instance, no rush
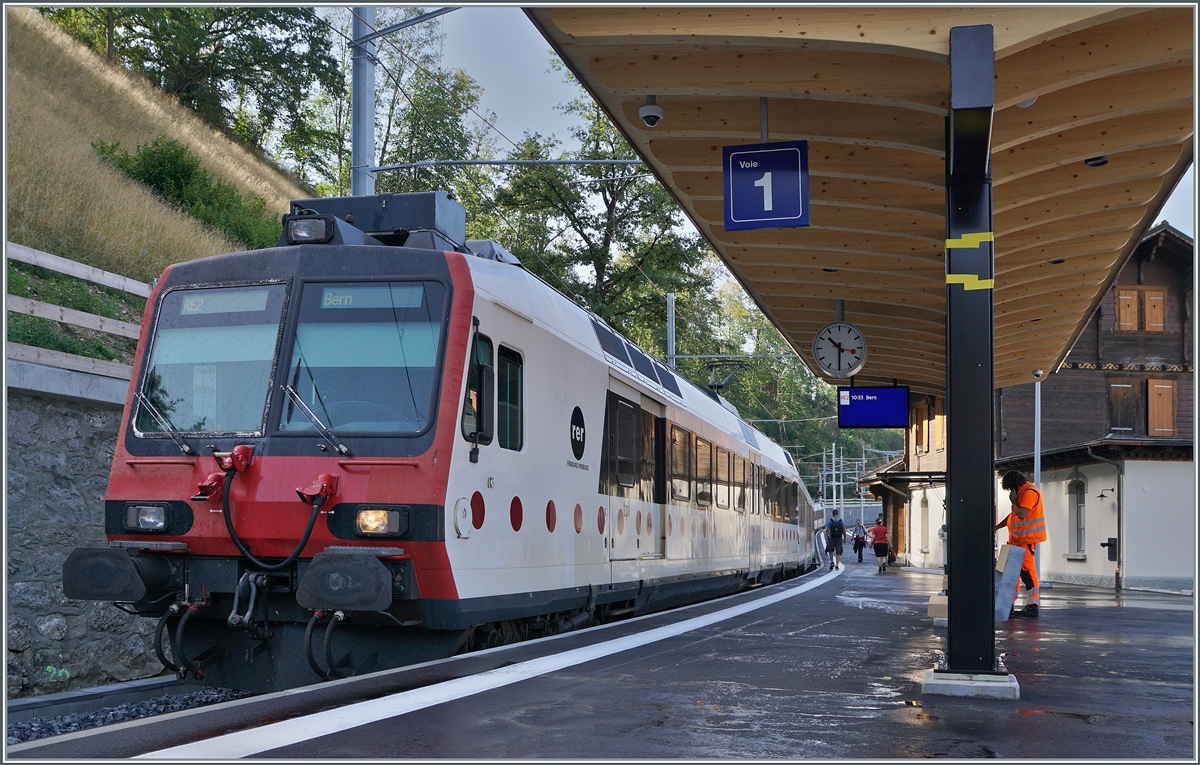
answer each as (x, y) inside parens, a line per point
(837, 529)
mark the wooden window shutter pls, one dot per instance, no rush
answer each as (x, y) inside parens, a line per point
(1161, 395)
(1122, 406)
(1127, 310)
(921, 428)
(939, 424)
(1156, 310)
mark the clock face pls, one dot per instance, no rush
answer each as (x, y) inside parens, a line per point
(840, 349)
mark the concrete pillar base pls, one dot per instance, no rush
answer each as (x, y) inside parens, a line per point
(969, 685)
(941, 621)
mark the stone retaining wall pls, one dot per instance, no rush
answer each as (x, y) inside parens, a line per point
(59, 454)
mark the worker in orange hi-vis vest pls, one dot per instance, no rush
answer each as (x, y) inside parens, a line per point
(1026, 527)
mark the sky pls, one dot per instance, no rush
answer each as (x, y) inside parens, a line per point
(506, 54)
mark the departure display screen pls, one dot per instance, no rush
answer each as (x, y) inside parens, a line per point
(873, 407)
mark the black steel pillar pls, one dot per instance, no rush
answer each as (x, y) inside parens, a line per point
(970, 481)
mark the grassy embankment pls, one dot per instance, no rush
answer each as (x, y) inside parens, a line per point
(64, 198)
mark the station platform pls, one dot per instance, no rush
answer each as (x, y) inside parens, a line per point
(825, 666)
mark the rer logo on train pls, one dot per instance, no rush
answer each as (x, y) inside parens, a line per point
(577, 433)
(766, 185)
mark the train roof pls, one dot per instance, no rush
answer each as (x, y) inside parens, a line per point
(510, 286)
(435, 220)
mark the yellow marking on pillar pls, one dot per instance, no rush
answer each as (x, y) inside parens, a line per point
(970, 241)
(971, 281)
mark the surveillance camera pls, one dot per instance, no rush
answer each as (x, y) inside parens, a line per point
(1038, 374)
(650, 114)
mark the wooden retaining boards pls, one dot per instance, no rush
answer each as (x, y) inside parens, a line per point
(60, 360)
(69, 267)
(70, 316)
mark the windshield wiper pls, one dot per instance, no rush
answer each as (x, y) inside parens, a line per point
(320, 427)
(167, 426)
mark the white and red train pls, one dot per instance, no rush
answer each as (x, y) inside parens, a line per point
(378, 444)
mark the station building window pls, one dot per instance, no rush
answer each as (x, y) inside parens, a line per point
(1076, 522)
(1141, 310)
(920, 427)
(939, 424)
(1124, 404)
(1160, 396)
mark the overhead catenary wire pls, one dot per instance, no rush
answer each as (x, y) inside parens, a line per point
(434, 163)
(420, 116)
(436, 77)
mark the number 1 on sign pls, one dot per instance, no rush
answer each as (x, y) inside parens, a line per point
(765, 184)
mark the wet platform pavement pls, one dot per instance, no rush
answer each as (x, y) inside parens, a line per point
(831, 672)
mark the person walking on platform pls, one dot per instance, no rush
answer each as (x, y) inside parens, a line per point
(1026, 527)
(835, 531)
(879, 541)
(860, 538)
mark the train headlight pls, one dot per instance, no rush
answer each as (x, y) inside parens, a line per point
(309, 230)
(376, 521)
(146, 518)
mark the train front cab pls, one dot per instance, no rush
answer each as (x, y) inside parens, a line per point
(279, 456)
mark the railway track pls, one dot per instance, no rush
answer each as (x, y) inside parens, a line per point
(35, 717)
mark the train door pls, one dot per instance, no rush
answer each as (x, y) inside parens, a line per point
(754, 515)
(626, 521)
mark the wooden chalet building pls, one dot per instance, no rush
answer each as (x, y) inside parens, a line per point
(1121, 402)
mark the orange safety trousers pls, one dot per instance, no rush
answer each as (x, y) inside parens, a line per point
(1029, 577)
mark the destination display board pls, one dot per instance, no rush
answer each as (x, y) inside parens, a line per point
(873, 407)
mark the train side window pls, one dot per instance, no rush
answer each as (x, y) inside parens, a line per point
(703, 472)
(481, 367)
(647, 460)
(781, 488)
(752, 498)
(510, 400)
(769, 484)
(722, 478)
(681, 469)
(739, 484)
(627, 442)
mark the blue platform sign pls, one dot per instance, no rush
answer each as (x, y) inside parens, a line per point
(766, 185)
(873, 407)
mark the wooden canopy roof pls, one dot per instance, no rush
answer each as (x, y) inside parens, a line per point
(868, 88)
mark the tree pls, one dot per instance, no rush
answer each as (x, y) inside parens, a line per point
(243, 69)
(609, 234)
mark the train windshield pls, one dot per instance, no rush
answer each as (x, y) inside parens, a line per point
(366, 357)
(210, 367)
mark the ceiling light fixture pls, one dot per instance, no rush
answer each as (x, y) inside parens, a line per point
(1056, 261)
(1028, 102)
(829, 270)
(1100, 161)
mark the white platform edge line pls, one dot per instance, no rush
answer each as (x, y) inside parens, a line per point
(287, 732)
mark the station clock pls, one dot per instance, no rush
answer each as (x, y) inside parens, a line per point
(840, 350)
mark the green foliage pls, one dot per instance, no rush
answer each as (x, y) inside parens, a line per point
(59, 289)
(613, 238)
(29, 281)
(168, 169)
(609, 234)
(207, 55)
